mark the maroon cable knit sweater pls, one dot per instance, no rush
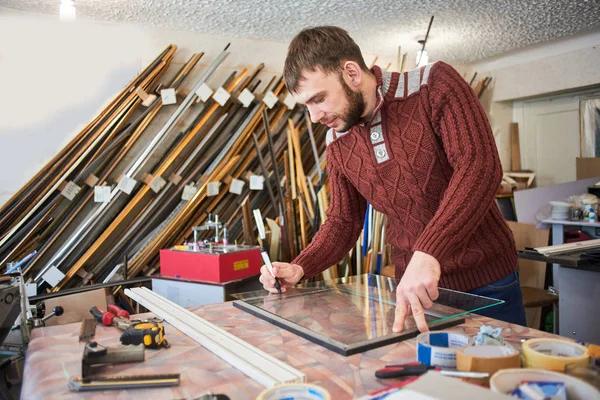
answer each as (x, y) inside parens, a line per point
(428, 160)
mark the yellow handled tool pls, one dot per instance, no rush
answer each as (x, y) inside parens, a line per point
(150, 334)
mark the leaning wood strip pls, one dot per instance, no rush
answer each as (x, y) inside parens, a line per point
(258, 365)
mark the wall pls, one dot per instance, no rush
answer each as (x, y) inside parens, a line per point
(561, 66)
(55, 77)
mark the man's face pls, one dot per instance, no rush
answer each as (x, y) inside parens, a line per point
(330, 100)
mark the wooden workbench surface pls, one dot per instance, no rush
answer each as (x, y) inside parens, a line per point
(54, 354)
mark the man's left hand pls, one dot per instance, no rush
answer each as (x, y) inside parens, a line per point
(417, 291)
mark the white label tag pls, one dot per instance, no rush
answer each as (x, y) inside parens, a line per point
(31, 289)
(157, 183)
(212, 189)
(101, 194)
(53, 276)
(168, 96)
(221, 96)
(236, 186)
(188, 192)
(289, 101)
(126, 184)
(70, 190)
(246, 97)
(257, 182)
(204, 92)
(270, 99)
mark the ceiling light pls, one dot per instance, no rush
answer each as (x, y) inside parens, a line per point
(67, 10)
(422, 58)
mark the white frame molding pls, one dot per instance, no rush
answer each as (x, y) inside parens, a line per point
(258, 365)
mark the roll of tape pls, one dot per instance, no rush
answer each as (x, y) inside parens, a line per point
(487, 358)
(295, 391)
(553, 354)
(438, 349)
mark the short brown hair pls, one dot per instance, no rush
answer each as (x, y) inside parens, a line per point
(322, 47)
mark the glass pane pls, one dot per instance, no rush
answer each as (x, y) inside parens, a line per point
(353, 313)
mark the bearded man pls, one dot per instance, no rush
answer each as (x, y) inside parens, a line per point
(419, 148)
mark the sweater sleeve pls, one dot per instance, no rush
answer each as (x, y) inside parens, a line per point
(345, 217)
(461, 124)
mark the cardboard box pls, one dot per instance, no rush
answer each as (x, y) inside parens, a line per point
(588, 168)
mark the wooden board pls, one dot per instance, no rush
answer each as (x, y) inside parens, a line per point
(515, 150)
(77, 306)
(531, 273)
(588, 167)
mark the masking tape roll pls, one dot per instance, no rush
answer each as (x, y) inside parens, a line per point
(487, 358)
(553, 354)
(438, 349)
(295, 391)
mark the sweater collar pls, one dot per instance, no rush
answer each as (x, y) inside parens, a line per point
(380, 95)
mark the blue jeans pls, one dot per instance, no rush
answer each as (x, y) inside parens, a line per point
(509, 290)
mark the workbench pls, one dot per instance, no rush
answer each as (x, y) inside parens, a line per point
(54, 354)
(577, 284)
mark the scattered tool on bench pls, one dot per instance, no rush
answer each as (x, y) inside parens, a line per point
(150, 333)
(87, 330)
(96, 357)
(123, 382)
(416, 368)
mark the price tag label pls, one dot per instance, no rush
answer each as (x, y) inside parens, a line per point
(204, 92)
(53, 276)
(70, 190)
(188, 192)
(157, 183)
(236, 186)
(289, 101)
(257, 182)
(101, 194)
(31, 289)
(270, 99)
(126, 184)
(212, 189)
(221, 96)
(246, 97)
(168, 96)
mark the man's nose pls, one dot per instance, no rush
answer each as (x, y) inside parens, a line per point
(315, 114)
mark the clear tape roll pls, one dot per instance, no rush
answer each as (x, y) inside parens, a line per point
(553, 354)
(295, 391)
(438, 349)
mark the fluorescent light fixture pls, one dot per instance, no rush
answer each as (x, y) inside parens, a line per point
(422, 59)
(67, 10)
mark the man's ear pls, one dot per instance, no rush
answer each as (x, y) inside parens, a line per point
(353, 73)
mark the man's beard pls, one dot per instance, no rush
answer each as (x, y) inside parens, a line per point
(356, 107)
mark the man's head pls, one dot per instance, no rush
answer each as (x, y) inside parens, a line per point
(325, 70)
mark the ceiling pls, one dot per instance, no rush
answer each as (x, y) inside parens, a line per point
(463, 31)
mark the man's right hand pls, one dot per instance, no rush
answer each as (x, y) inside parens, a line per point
(288, 274)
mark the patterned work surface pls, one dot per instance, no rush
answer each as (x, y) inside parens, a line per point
(54, 354)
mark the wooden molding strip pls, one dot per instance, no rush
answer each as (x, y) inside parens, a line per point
(258, 365)
(568, 247)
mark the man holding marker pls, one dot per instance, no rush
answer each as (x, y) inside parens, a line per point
(419, 148)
